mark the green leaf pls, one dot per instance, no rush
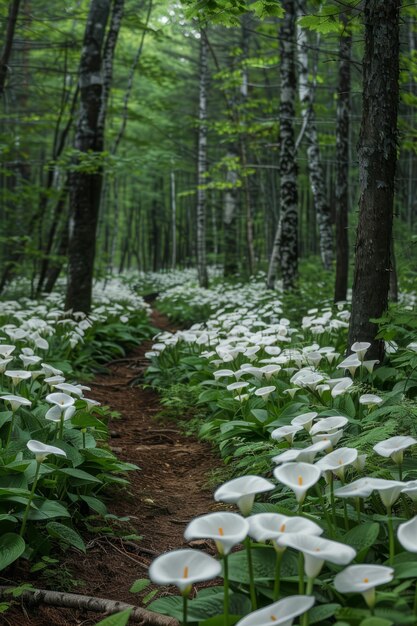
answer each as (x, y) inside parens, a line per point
(406, 570)
(376, 621)
(11, 547)
(320, 613)
(79, 474)
(95, 504)
(119, 619)
(362, 538)
(139, 585)
(66, 534)
(47, 509)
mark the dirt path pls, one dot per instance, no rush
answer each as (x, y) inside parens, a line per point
(163, 496)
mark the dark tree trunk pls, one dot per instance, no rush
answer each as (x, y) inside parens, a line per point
(230, 216)
(202, 164)
(285, 246)
(85, 187)
(377, 162)
(8, 44)
(342, 166)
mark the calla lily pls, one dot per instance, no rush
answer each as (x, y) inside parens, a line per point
(70, 389)
(6, 350)
(361, 488)
(333, 437)
(54, 380)
(223, 374)
(317, 550)
(304, 454)
(360, 348)
(363, 579)
(270, 370)
(183, 568)
(264, 392)
(242, 491)
(341, 387)
(16, 401)
(369, 365)
(328, 424)
(55, 413)
(337, 460)
(351, 363)
(226, 530)
(389, 490)
(271, 526)
(305, 420)
(61, 400)
(3, 364)
(410, 489)
(286, 432)
(282, 613)
(407, 535)
(17, 376)
(394, 447)
(41, 450)
(299, 477)
(238, 386)
(370, 399)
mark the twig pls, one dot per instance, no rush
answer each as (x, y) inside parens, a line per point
(34, 597)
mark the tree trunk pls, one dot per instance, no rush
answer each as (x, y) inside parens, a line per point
(377, 152)
(230, 210)
(173, 221)
(315, 169)
(342, 165)
(8, 44)
(85, 186)
(285, 246)
(202, 165)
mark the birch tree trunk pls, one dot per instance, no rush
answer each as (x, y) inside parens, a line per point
(315, 169)
(342, 164)
(377, 163)
(285, 248)
(85, 186)
(202, 164)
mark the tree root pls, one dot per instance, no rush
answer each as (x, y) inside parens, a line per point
(34, 597)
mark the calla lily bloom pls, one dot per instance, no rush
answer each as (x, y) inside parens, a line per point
(305, 420)
(328, 424)
(17, 375)
(55, 413)
(286, 432)
(363, 579)
(317, 550)
(242, 491)
(16, 401)
(226, 530)
(389, 490)
(41, 450)
(299, 477)
(361, 488)
(341, 388)
(410, 489)
(360, 348)
(70, 389)
(6, 350)
(370, 399)
(282, 613)
(394, 447)
(61, 400)
(351, 363)
(183, 568)
(407, 535)
(304, 454)
(265, 392)
(333, 437)
(271, 526)
(337, 460)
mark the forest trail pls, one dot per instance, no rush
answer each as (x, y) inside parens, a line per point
(167, 491)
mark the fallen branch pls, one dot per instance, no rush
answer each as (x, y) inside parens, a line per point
(34, 597)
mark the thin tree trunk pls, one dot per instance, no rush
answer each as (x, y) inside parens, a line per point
(202, 165)
(285, 246)
(8, 44)
(315, 168)
(230, 210)
(377, 163)
(85, 187)
(173, 221)
(342, 165)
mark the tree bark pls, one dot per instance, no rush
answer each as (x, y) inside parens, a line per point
(230, 210)
(8, 44)
(202, 164)
(285, 246)
(85, 185)
(342, 165)
(315, 168)
(377, 152)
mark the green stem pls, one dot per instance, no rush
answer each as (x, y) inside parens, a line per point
(345, 515)
(326, 514)
(300, 573)
(390, 537)
(415, 602)
(251, 577)
(32, 493)
(400, 471)
(358, 509)
(184, 609)
(9, 434)
(277, 582)
(309, 592)
(61, 425)
(226, 590)
(332, 500)
(83, 432)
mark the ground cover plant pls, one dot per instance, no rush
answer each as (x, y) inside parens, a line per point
(55, 465)
(327, 441)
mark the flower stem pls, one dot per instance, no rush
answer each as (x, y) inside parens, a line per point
(326, 514)
(390, 537)
(9, 434)
(345, 515)
(332, 500)
(300, 573)
(358, 509)
(32, 493)
(400, 471)
(184, 609)
(277, 582)
(226, 590)
(309, 592)
(61, 425)
(251, 577)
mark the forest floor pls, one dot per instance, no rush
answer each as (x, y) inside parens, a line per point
(169, 490)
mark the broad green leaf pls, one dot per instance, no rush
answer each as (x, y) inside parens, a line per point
(81, 475)
(118, 619)
(361, 538)
(320, 613)
(139, 585)
(11, 547)
(95, 504)
(66, 534)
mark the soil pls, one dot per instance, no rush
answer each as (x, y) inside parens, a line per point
(169, 490)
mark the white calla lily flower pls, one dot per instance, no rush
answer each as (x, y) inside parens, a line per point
(363, 579)
(370, 399)
(271, 526)
(183, 568)
(286, 432)
(305, 420)
(407, 535)
(226, 529)
(394, 447)
(389, 490)
(42, 450)
(337, 461)
(361, 488)
(360, 348)
(242, 491)
(16, 401)
(61, 400)
(317, 550)
(17, 376)
(299, 477)
(281, 613)
(306, 455)
(328, 424)
(333, 437)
